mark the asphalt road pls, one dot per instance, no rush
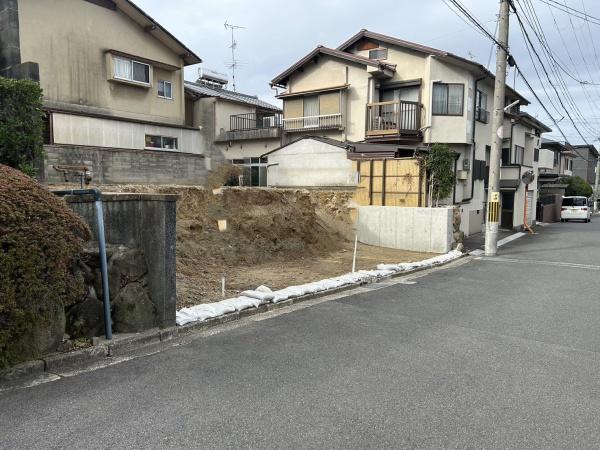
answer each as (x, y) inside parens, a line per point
(490, 353)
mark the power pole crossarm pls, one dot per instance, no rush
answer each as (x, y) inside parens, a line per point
(493, 205)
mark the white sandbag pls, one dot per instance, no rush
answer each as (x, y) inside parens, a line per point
(222, 307)
(195, 313)
(263, 288)
(242, 302)
(264, 297)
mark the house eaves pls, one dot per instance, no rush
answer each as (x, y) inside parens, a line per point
(202, 90)
(156, 30)
(282, 78)
(441, 54)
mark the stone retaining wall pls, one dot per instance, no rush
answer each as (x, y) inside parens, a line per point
(145, 222)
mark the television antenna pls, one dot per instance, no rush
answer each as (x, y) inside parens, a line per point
(234, 63)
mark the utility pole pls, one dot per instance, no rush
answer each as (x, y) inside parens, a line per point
(596, 184)
(493, 204)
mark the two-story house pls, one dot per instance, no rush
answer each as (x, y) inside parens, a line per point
(377, 89)
(241, 127)
(113, 86)
(585, 162)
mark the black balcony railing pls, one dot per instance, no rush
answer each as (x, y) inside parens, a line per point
(254, 121)
(482, 115)
(393, 117)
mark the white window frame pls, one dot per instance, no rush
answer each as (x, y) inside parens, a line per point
(162, 147)
(131, 62)
(164, 83)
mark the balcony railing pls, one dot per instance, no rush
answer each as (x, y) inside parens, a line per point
(254, 121)
(482, 115)
(322, 122)
(393, 118)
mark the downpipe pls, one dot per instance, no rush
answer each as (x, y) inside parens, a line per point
(101, 250)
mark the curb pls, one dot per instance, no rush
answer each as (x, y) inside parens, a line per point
(122, 345)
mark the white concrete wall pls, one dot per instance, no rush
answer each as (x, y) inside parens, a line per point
(310, 163)
(71, 129)
(416, 229)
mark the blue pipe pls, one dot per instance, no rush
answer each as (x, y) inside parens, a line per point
(102, 251)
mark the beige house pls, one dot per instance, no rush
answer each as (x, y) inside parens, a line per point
(113, 88)
(379, 89)
(240, 127)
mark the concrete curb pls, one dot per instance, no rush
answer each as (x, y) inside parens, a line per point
(122, 345)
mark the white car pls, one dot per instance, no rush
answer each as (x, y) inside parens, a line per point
(575, 208)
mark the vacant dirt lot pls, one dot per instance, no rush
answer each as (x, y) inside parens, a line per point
(275, 237)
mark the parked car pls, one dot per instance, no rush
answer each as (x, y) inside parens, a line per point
(575, 208)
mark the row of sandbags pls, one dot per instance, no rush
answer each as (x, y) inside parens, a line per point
(262, 294)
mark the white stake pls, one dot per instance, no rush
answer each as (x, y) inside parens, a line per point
(354, 256)
(223, 286)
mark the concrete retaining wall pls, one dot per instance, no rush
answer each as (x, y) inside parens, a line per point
(416, 229)
(146, 222)
(121, 166)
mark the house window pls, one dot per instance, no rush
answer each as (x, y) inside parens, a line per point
(518, 155)
(165, 89)
(536, 154)
(505, 156)
(556, 158)
(481, 112)
(379, 53)
(166, 142)
(448, 99)
(130, 70)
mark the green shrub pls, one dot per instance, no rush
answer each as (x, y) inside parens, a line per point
(440, 165)
(577, 186)
(21, 124)
(40, 240)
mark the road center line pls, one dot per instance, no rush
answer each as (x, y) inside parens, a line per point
(542, 263)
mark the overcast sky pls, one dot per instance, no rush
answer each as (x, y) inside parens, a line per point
(277, 34)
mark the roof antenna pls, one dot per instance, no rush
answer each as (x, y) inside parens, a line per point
(234, 63)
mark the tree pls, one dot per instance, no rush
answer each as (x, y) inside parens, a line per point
(21, 124)
(577, 186)
(439, 163)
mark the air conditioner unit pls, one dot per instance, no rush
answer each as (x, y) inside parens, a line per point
(466, 164)
(462, 175)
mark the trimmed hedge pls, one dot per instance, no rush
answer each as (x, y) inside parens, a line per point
(21, 124)
(40, 241)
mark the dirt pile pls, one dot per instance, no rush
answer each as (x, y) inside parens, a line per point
(263, 225)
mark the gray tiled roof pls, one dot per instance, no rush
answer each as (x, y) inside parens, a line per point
(208, 91)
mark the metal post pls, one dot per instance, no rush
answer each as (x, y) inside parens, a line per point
(493, 210)
(103, 268)
(596, 185)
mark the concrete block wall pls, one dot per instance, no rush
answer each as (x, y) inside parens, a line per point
(122, 166)
(146, 222)
(416, 229)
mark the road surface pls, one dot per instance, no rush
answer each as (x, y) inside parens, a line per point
(489, 353)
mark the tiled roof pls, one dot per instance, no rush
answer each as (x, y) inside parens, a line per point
(207, 91)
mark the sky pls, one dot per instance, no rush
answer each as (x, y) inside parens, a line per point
(277, 34)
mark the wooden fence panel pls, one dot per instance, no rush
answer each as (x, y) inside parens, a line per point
(391, 182)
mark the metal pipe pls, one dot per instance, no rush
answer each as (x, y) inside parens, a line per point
(101, 250)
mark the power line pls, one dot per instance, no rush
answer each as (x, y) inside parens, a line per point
(546, 47)
(528, 41)
(572, 11)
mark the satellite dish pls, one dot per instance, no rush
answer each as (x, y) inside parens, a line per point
(528, 177)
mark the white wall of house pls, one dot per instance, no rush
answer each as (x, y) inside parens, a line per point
(71, 129)
(311, 163)
(247, 149)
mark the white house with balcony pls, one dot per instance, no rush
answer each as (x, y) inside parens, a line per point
(381, 90)
(241, 127)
